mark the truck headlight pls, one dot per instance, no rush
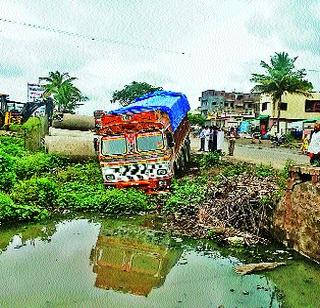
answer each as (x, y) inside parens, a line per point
(109, 177)
(162, 172)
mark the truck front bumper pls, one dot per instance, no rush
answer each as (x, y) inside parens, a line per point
(148, 185)
(144, 175)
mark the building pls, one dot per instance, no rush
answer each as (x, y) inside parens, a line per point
(211, 101)
(228, 108)
(293, 108)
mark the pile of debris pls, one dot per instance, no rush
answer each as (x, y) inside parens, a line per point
(238, 206)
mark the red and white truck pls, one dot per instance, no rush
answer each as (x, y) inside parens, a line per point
(146, 143)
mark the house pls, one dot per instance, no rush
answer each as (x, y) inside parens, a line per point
(293, 108)
(228, 108)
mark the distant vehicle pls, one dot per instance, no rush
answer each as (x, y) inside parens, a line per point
(146, 143)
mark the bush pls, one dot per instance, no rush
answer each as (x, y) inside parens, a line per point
(236, 169)
(8, 177)
(121, 201)
(264, 171)
(41, 192)
(210, 159)
(89, 173)
(38, 164)
(80, 196)
(11, 211)
(12, 146)
(185, 194)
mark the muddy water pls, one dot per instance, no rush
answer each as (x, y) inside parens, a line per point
(94, 262)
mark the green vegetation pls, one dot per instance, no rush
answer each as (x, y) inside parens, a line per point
(281, 77)
(35, 185)
(196, 119)
(186, 193)
(211, 159)
(132, 91)
(190, 191)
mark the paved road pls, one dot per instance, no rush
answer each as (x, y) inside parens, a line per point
(276, 157)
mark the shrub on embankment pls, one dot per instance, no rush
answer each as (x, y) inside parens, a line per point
(35, 185)
(224, 195)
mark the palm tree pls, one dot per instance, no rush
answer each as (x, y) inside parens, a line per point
(65, 95)
(281, 77)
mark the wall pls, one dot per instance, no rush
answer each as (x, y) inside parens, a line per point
(297, 217)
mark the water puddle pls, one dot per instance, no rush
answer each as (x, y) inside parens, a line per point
(117, 263)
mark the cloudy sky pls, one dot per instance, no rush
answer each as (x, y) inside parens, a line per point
(183, 45)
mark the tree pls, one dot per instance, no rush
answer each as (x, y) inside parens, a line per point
(196, 119)
(132, 91)
(65, 95)
(281, 77)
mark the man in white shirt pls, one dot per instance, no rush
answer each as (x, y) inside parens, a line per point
(206, 138)
(202, 137)
(314, 146)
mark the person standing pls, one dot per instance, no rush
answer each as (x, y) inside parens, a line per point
(202, 138)
(220, 139)
(314, 146)
(232, 140)
(206, 138)
(213, 139)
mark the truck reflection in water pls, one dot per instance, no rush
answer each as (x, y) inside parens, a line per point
(132, 265)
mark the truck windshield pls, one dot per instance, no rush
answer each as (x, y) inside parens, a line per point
(114, 146)
(150, 142)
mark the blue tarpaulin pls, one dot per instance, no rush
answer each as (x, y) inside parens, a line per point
(244, 127)
(174, 104)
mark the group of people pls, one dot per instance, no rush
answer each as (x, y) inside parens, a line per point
(211, 139)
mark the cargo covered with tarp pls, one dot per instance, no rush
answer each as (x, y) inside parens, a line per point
(174, 104)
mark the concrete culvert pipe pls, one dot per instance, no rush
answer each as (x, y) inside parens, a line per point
(74, 147)
(75, 122)
(69, 133)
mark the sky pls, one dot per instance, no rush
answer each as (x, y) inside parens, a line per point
(186, 46)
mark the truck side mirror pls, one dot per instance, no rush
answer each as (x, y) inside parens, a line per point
(170, 140)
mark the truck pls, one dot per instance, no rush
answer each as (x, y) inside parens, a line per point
(146, 143)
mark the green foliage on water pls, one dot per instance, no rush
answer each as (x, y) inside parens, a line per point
(298, 283)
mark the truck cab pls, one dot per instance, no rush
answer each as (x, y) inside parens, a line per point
(140, 146)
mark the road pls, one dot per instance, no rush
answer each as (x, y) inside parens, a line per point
(276, 157)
